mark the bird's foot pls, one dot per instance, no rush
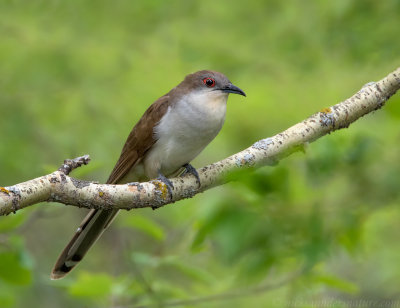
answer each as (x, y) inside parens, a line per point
(191, 170)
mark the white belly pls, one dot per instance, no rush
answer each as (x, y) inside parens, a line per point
(186, 129)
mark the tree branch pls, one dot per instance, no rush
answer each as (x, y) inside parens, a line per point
(59, 187)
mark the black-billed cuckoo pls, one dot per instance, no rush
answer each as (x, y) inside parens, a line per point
(170, 134)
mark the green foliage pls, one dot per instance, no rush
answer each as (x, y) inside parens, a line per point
(337, 283)
(12, 269)
(76, 76)
(7, 298)
(12, 222)
(96, 286)
(144, 224)
(15, 263)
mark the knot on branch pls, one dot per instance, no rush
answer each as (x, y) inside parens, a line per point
(71, 164)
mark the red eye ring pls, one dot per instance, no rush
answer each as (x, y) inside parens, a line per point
(209, 82)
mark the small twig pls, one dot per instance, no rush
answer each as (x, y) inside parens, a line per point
(71, 164)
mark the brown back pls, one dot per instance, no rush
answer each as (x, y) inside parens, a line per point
(139, 140)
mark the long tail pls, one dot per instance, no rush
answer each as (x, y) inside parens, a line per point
(86, 235)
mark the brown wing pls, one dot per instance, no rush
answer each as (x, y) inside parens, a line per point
(138, 143)
(139, 140)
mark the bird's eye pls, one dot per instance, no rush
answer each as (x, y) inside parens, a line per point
(209, 82)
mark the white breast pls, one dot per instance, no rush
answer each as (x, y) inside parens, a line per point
(185, 130)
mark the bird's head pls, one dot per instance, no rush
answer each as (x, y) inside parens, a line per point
(210, 82)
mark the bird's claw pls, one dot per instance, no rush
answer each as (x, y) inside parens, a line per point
(191, 170)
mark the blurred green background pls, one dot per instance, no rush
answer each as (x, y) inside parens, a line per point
(75, 76)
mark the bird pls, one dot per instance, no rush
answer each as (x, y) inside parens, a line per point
(169, 135)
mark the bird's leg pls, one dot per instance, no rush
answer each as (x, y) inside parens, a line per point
(166, 181)
(191, 170)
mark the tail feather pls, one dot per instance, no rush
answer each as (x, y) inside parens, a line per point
(86, 235)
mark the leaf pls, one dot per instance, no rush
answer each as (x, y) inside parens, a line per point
(165, 289)
(7, 300)
(13, 269)
(12, 221)
(256, 265)
(91, 285)
(338, 283)
(263, 181)
(145, 259)
(7, 296)
(189, 270)
(319, 241)
(145, 225)
(230, 228)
